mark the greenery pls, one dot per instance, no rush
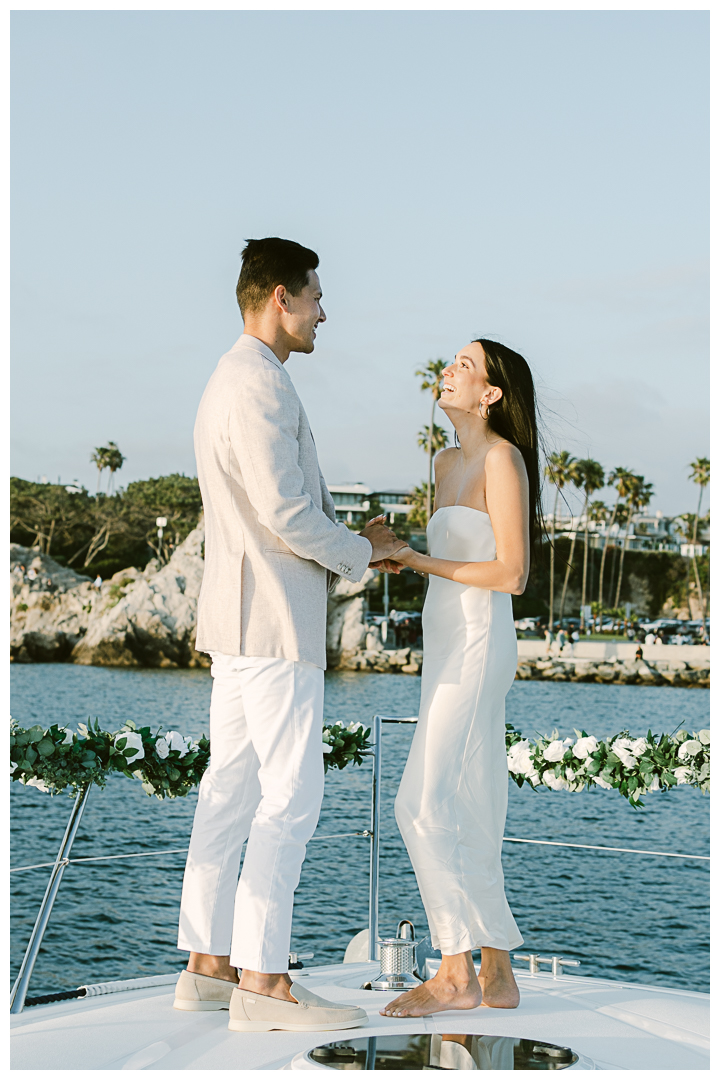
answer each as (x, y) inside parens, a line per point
(104, 533)
(650, 579)
(168, 764)
(634, 767)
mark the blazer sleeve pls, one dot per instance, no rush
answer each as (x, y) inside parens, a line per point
(263, 429)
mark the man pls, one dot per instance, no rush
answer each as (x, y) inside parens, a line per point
(272, 550)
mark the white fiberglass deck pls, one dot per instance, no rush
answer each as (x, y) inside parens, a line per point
(611, 1025)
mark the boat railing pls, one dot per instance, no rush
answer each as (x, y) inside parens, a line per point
(374, 751)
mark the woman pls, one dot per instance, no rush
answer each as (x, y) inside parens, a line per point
(452, 800)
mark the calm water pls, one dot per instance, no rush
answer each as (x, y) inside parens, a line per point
(624, 916)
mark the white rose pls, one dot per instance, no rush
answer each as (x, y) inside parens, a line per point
(584, 747)
(554, 751)
(39, 784)
(570, 773)
(327, 749)
(682, 775)
(621, 749)
(68, 736)
(176, 741)
(704, 736)
(689, 749)
(638, 747)
(602, 783)
(519, 758)
(655, 786)
(161, 748)
(353, 727)
(133, 741)
(557, 783)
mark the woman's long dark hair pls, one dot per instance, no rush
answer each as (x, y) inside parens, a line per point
(514, 417)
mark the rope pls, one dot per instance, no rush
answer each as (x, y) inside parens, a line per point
(170, 851)
(599, 847)
(62, 995)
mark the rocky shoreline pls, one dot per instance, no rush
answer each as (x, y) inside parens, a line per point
(621, 673)
(148, 619)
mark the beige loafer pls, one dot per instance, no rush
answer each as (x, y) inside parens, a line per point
(201, 993)
(256, 1012)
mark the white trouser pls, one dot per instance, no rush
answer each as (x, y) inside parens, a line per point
(264, 784)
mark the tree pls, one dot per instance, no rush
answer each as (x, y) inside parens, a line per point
(99, 459)
(639, 495)
(557, 471)
(617, 478)
(113, 461)
(699, 474)
(432, 379)
(439, 438)
(418, 499)
(592, 479)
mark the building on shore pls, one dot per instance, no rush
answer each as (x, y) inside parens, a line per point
(352, 501)
(649, 532)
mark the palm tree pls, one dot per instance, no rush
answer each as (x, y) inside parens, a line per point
(431, 376)
(617, 478)
(574, 477)
(557, 471)
(700, 474)
(99, 459)
(597, 512)
(639, 496)
(113, 461)
(439, 438)
(593, 479)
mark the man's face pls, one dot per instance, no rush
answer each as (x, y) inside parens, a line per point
(304, 312)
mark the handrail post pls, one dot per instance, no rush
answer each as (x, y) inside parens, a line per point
(20, 989)
(375, 839)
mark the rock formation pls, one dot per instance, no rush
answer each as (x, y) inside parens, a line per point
(138, 618)
(148, 619)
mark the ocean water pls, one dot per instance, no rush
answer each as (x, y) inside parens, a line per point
(633, 917)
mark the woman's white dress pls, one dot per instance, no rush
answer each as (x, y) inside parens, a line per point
(452, 799)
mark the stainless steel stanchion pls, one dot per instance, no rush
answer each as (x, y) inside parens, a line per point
(19, 990)
(373, 948)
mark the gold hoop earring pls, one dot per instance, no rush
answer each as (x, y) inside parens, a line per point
(487, 412)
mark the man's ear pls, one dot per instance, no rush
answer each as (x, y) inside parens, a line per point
(280, 298)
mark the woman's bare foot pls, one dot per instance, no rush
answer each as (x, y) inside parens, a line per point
(499, 989)
(454, 987)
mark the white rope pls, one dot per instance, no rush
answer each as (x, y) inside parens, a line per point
(366, 833)
(170, 851)
(599, 847)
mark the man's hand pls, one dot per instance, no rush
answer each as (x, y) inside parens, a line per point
(384, 541)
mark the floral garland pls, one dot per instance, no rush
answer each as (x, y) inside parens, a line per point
(634, 767)
(168, 764)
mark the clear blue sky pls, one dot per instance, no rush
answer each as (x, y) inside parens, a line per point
(537, 177)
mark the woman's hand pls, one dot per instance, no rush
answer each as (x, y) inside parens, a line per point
(396, 563)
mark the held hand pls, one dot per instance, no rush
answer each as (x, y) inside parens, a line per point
(386, 566)
(384, 541)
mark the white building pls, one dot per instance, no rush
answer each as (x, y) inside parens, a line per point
(352, 501)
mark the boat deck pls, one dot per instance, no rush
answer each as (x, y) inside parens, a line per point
(610, 1025)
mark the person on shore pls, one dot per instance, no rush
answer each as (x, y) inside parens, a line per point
(548, 640)
(452, 799)
(639, 653)
(273, 548)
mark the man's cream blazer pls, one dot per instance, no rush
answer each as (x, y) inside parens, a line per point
(272, 544)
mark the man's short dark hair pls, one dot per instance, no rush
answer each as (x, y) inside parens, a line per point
(268, 263)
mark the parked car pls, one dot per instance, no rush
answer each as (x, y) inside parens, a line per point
(529, 623)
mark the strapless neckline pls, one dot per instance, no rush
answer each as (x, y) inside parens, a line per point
(460, 506)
